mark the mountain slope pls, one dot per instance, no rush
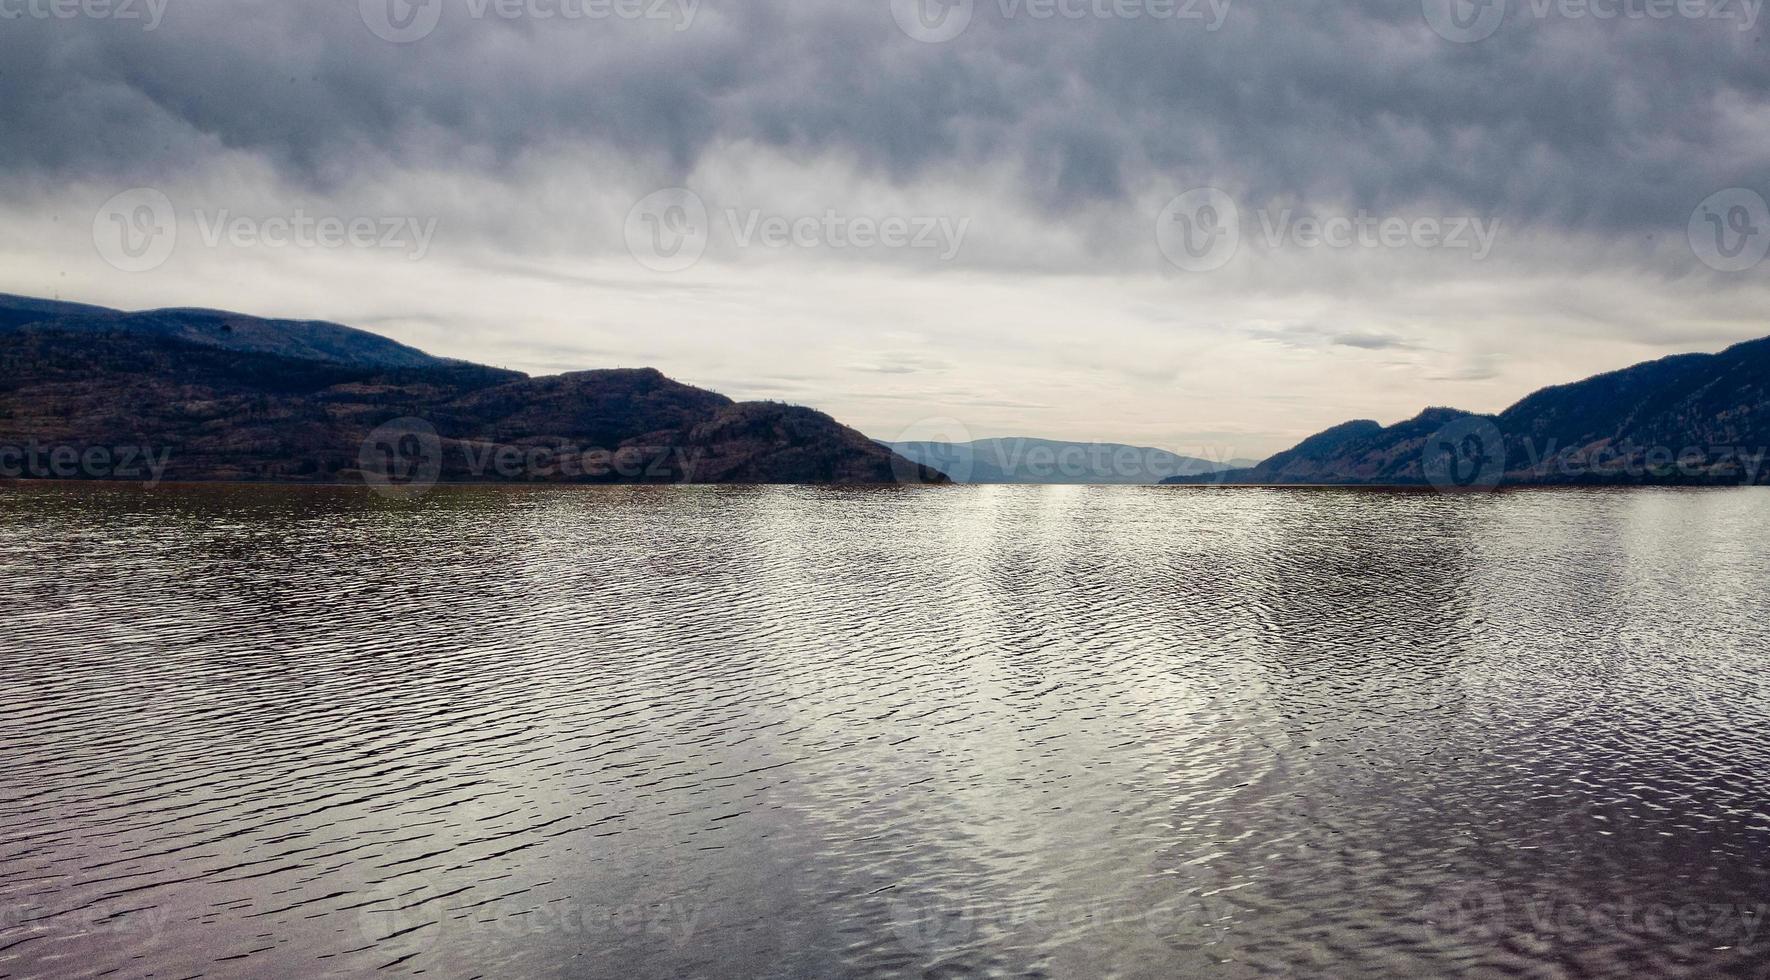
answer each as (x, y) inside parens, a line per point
(17, 311)
(306, 339)
(1687, 419)
(234, 405)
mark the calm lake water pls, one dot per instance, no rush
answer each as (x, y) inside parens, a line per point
(1067, 732)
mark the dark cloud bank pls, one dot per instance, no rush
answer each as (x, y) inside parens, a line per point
(1561, 121)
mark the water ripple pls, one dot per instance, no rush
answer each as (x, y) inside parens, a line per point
(1016, 731)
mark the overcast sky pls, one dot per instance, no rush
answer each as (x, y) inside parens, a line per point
(1213, 227)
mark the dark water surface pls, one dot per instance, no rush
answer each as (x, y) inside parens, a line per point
(1068, 732)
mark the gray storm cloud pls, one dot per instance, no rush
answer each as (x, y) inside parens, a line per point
(1566, 122)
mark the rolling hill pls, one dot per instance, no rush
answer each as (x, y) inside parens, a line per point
(1690, 419)
(224, 396)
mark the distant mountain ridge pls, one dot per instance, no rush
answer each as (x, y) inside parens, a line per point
(307, 339)
(1033, 461)
(1689, 419)
(225, 396)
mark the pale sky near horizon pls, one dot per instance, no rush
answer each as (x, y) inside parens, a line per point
(1563, 195)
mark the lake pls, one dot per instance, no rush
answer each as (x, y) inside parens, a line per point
(798, 732)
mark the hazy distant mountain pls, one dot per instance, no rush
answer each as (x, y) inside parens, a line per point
(1021, 460)
(222, 396)
(1688, 419)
